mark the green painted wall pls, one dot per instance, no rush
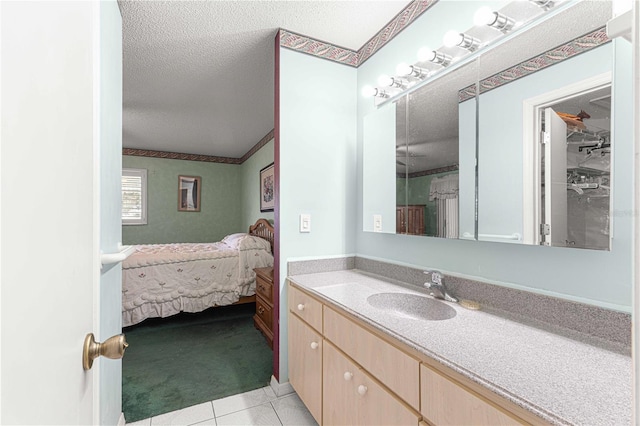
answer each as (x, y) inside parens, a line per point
(416, 192)
(230, 199)
(250, 185)
(220, 214)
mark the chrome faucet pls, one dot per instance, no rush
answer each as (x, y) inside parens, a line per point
(437, 288)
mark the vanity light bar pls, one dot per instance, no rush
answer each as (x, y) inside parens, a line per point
(409, 75)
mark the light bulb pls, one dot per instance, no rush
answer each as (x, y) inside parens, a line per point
(426, 54)
(404, 69)
(369, 91)
(385, 80)
(484, 16)
(452, 38)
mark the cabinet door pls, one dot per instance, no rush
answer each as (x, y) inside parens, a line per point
(352, 397)
(339, 397)
(305, 365)
(446, 403)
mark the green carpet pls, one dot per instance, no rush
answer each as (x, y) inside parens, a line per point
(187, 359)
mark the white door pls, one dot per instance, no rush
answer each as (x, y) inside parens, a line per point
(61, 106)
(555, 179)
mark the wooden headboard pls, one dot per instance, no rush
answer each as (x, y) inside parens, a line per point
(263, 229)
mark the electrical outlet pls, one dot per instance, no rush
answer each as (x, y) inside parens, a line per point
(377, 223)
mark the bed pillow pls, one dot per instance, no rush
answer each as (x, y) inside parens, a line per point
(252, 243)
(233, 240)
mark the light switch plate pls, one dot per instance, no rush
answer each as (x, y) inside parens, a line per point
(305, 223)
(377, 223)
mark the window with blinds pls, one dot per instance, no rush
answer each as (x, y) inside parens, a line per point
(134, 197)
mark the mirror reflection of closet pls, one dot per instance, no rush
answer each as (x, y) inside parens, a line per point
(575, 194)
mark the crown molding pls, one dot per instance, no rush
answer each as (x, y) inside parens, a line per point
(195, 157)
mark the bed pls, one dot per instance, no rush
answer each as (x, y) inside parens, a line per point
(160, 280)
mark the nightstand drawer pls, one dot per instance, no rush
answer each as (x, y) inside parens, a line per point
(264, 312)
(264, 289)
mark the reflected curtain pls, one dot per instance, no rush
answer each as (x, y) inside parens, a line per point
(444, 191)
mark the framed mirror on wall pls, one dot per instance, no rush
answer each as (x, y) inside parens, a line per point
(189, 190)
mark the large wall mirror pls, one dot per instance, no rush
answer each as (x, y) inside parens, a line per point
(513, 145)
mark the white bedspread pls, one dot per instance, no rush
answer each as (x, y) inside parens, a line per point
(160, 280)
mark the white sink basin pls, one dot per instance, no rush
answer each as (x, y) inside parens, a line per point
(412, 306)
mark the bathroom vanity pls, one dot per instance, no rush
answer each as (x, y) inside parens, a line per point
(355, 361)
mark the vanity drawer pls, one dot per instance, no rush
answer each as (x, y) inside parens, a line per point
(444, 402)
(393, 367)
(306, 307)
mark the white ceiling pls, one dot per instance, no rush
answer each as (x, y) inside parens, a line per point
(199, 75)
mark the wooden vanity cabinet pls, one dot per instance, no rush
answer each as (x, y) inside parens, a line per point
(349, 373)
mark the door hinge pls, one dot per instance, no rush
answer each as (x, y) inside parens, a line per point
(545, 137)
(545, 229)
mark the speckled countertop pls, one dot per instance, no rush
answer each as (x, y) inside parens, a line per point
(564, 380)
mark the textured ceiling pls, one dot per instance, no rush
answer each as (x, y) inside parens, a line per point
(198, 76)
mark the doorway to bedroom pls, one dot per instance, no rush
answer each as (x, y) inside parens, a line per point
(192, 358)
(192, 314)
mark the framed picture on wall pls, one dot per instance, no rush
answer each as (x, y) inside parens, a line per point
(267, 188)
(189, 190)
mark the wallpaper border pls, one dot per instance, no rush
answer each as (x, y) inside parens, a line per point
(304, 44)
(554, 56)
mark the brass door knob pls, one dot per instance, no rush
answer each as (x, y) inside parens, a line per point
(112, 348)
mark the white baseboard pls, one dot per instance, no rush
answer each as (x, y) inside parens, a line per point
(121, 421)
(280, 388)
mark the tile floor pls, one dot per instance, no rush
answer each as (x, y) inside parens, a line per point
(256, 407)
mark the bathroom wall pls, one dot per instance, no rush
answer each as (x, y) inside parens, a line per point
(250, 185)
(572, 274)
(221, 210)
(317, 165)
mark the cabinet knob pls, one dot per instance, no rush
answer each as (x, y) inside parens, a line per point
(362, 389)
(314, 345)
(348, 375)
(301, 307)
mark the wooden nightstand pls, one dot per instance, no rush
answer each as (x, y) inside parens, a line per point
(263, 319)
